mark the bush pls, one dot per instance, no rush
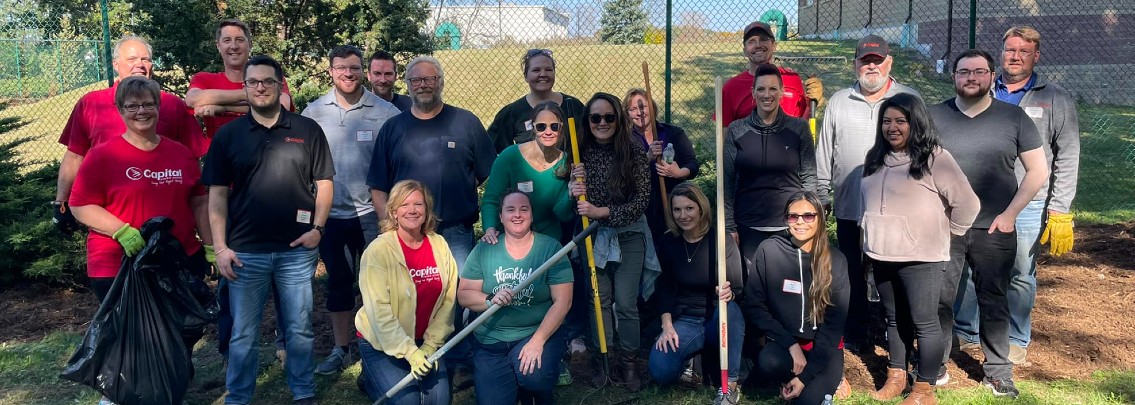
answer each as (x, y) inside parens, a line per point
(31, 249)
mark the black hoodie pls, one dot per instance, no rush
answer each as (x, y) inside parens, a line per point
(782, 315)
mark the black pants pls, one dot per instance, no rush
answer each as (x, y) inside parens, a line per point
(341, 249)
(991, 259)
(909, 292)
(775, 364)
(847, 234)
(750, 240)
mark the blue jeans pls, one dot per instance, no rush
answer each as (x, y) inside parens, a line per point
(1022, 285)
(291, 272)
(382, 372)
(225, 318)
(460, 241)
(693, 334)
(497, 375)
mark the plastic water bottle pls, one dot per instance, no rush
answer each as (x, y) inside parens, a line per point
(872, 289)
(668, 153)
(828, 400)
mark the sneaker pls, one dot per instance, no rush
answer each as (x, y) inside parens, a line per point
(104, 401)
(576, 346)
(689, 378)
(565, 374)
(943, 378)
(1001, 388)
(336, 362)
(1018, 355)
(361, 384)
(733, 398)
(282, 356)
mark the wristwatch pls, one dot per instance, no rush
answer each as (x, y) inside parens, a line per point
(319, 228)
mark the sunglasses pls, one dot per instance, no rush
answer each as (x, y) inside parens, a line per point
(596, 118)
(540, 127)
(535, 52)
(809, 217)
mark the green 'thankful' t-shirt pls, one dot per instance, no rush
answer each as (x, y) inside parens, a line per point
(493, 265)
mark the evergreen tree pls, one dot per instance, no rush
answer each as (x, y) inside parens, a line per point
(623, 22)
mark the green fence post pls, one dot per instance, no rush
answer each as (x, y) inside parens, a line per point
(669, 49)
(19, 73)
(972, 24)
(106, 43)
(59, 69)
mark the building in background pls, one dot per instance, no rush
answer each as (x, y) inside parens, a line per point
(483, 26)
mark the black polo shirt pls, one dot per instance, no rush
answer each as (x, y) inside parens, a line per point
(272, 172)
(450, 154)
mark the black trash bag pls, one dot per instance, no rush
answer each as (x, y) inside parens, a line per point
(138, 347)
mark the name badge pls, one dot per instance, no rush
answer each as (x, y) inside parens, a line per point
(524, 186)
(303, 216)
(1034, 112)
(793, 287)
(528, 125)
(364, 135)
(451, 145)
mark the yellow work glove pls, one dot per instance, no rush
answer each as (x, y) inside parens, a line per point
(419, 363)
(130, 238)
(1058, 234)
(814, 90)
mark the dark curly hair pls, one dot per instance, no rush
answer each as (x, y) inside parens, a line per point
(921, 142)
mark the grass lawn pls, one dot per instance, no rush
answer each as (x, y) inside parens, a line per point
(28, 375)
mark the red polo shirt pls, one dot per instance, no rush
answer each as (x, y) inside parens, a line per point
(737, 96)
(218, 81)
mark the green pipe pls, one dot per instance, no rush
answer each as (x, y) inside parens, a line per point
(106, 43)
(669, 49)
(972, 24)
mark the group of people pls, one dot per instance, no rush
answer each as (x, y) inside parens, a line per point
(383, 188)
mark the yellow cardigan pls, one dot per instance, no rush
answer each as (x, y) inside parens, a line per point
(390, 298)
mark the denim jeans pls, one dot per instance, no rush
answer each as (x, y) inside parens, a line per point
(989, 257)
(341, 249)
(382, 372)
(694, 334)
(848, 237)
(460, 240)
(619, 288)
(498, 378)
(225, 318)
(1022, 287)
(291, 272)
(909, 292)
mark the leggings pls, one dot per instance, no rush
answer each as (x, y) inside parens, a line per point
(775, 363)
(909, 292)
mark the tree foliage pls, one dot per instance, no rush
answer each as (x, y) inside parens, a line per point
(623, 22)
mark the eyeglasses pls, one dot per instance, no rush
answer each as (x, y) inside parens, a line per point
(149, 106)
(975, 72)
(809, 217)
(535, 52)
(356, 69)
(1020, 52)
(540, 127)
(253, 83)
(426, 80)
(596, 118)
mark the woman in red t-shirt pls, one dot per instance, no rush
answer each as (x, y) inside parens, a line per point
(409, 287)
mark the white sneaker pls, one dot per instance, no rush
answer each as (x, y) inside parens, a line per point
(576, 346)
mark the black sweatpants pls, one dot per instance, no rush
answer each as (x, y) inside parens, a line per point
(848, 238)
(909, 292)
(775, 364)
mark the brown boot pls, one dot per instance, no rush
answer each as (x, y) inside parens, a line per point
(631, 380)
(923, 394)
(895, 386)
(599, 372)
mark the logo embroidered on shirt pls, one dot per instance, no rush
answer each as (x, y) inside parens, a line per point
(293, 140)
(166, 176)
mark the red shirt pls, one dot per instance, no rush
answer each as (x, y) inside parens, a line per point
(423, 270)
(737, 96)
(95, 120)
(218, 81)
(135, 185)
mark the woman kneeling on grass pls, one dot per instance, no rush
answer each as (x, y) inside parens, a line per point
(519, 348)
(409, 284)
(798, 296)
(688, 292)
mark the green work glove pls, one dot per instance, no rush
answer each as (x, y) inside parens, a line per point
(210, 254)
(130, 238)
(1059, 233)
(419, 364)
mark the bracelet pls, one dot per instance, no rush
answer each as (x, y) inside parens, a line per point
(218, 253)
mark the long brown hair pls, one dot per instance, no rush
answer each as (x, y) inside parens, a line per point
(820, 293)
(620, 182)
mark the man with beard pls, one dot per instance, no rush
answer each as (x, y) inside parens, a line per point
(382, 73)
(272, 175)
(448, 150)
(737, 93)
(987, 137)
(351, 118)
(847, 132)
(1053, 111)
(218, 98)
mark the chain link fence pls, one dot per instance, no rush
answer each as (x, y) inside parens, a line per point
(601, 45)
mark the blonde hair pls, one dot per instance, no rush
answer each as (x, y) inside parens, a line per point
(691, 191)
(398, 195)
(1024, 32)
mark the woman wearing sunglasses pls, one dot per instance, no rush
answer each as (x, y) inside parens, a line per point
(769, 156)
(798, 296)
(915, 197)
(616, 184)
(513, 123)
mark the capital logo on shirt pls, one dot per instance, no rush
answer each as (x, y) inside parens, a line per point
(165, 176)
(293, 140)
(133, 173)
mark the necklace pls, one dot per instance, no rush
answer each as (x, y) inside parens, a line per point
(686, 247)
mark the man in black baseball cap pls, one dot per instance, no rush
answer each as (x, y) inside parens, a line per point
(759, 45)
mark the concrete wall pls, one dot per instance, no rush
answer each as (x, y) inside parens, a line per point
(485, 26)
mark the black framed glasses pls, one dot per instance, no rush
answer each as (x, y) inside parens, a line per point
(975, 72)
(426, 80)
(540, 127)
(148, 106)
(253, 83)
(356, 69)
(596, 118)
(808, 217)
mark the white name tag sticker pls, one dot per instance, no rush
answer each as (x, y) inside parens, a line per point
(528, 125)
(451, 145)
(1034, 112)
(524, 186)
(793, 287)
(303, 216)
(364, 135)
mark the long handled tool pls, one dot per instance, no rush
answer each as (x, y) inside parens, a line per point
(602, 333)
(722, 306)
(648, 131)
(492, 310)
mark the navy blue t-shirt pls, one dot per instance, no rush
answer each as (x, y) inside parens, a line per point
(450, 154)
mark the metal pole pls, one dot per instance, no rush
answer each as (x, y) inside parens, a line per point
(106, 43)
(19, 73)
(669, 46)
(972, 24)
(59, 68)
